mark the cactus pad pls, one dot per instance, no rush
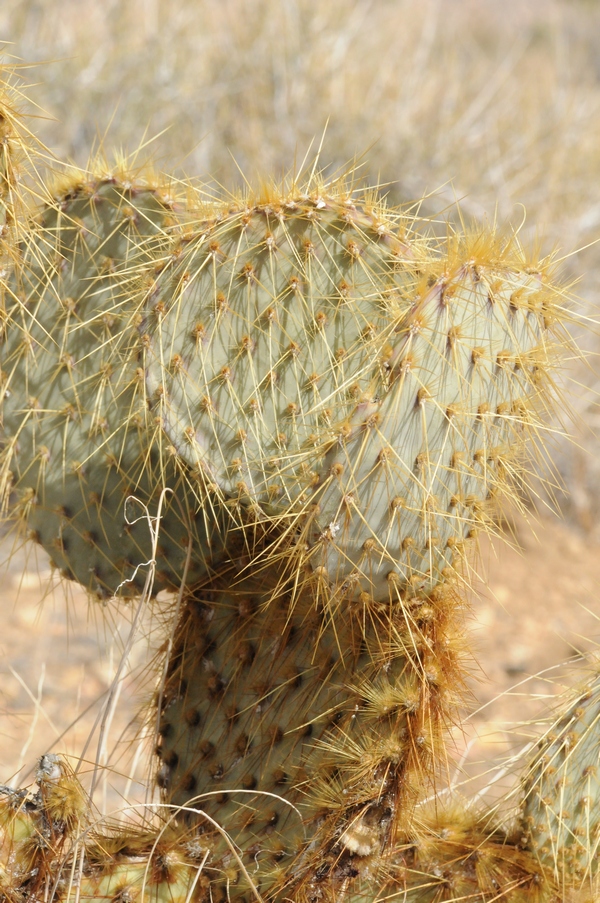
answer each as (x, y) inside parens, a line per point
(76, 442)
(365, 389)
(561, 810)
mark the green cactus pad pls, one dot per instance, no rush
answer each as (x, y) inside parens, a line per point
(77, 444)
(365, 390)
(561, 809)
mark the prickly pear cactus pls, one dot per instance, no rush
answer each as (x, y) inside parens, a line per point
(561, 809)
(324, 405)
(307, 730)
(310, 741)
(50, 850)
(367, 390)
(364, 392)
(87, 469)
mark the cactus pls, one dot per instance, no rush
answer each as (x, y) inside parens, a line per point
(56, 852)
(364, 394)
(335, 404)
(441, 375)
(364, 389)
(76, 442)
(561, 807)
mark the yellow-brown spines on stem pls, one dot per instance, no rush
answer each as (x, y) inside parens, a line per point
(87, 467)
(455, 853)
(334, 368)
(37, 832)
(309, 737)
(51, 849)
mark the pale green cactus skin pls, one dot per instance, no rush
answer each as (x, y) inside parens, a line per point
(561, 808)
(364, 390)
(441, 361)
(76, 438)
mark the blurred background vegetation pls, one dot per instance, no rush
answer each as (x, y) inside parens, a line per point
(494, 104)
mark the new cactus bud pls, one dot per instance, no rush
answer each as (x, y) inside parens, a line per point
(368, 391)
(561, 808)
(86, 469)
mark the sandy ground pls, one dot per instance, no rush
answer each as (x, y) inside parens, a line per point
(63, 687)
(539, 607)
(536, 632)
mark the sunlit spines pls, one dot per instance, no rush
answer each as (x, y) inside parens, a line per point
(370, 407)
(452, 852)
(86, 466)
(561, 807)
(50, 849)
(18, 152)
(368, 390)
(37, 830)
(455, 853)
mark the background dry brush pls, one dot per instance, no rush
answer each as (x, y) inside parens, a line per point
(493, 104)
